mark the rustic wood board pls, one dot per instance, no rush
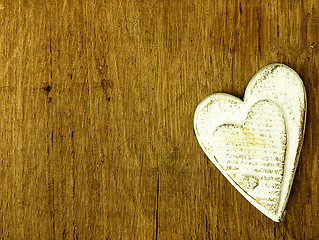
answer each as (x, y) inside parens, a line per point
(96, 116)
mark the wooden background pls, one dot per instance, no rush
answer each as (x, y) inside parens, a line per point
(96, 116)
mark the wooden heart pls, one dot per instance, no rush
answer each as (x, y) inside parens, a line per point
(256, 143)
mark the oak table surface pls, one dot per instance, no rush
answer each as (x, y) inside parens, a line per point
(96, 116)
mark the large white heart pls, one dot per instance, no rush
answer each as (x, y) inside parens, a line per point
(256, 143)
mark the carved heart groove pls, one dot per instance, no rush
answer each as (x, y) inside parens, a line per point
(253, 154)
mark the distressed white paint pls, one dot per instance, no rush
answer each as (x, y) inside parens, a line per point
(256, 143)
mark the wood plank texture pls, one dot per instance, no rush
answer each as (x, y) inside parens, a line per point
(97, 99)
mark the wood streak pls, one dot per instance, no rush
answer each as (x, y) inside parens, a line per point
(125, 78)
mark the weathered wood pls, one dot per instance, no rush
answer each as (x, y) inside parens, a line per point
(96, 116)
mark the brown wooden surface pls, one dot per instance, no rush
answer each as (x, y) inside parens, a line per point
(96, 116)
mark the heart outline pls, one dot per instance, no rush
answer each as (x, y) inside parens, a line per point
(240, 158)
(290, 95)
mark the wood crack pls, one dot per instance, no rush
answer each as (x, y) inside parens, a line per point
(157, 204)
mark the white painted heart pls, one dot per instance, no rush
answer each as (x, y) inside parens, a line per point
(256, 143)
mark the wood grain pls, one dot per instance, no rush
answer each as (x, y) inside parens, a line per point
(96, 116)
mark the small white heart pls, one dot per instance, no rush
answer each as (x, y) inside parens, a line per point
(256, 143)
